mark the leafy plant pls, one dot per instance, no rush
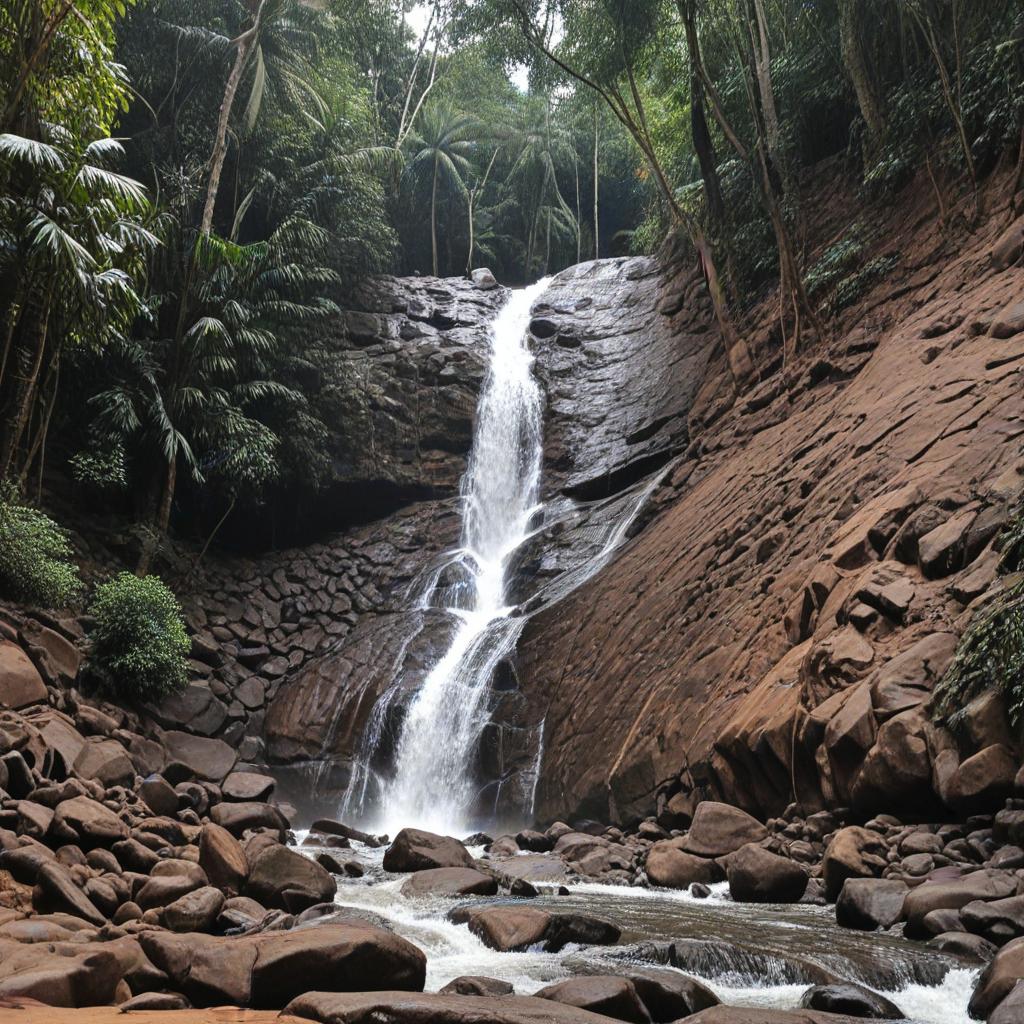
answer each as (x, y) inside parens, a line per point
(139, 643)
(990, 655)
(35, 557)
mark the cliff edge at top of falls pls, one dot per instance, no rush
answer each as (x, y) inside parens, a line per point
(774, 632)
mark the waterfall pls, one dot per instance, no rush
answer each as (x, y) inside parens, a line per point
(432, 785)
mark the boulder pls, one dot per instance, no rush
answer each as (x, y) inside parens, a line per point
(87, 823)
(475, 985)
(106, 761)
(64, 974)
(242, 817)
(984, 781)
(507, 928)
(436, 1008)
(1011, 1009)
(57, 891)
(579, 929)
(953, 895)
(854, 852)
(245, 787)
(20, 683)
(222, 858)
(450, 882)
(416, 850)
(668, 995)
(870, 903)
(196, 757)
(196, 911)
(999, 921)
(854, 1000)
(280, 878)
(719, 829)
(159, 795)
(483, 279)
(672, 868)
(964, 945)
(1002, 975)
(605, 994)
(757, 876)
(266, 970)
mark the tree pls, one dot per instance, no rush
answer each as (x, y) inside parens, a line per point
(438, 153)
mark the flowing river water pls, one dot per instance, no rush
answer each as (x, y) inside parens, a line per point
(752, 955)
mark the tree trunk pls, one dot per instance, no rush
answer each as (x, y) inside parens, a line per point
(162, 520)
(433, 216)
(850, 25)
(705, 149)
(597, 228)
(579, 230)
(245, 44)
(26, 395)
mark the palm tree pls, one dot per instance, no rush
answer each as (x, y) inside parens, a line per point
(541, 148)
(438, 152)
(73, 246)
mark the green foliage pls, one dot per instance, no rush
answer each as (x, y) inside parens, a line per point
(1011, 543)
(101, 467)
(35, 556)
(840, 276)
(990, 655)
(139, 644)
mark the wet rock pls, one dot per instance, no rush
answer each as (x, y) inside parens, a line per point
(870, 903)
(757, 876)
(475, 985)
(963, 944)
(416, 850)
(853, 1000)
(506, 929)
(247, 787)
(999, 921)
(998, 980)
(608, 995)
(566, 929)
(336, 828)
(1011, 1009)
(265, 971)
(450, 882)
(672, 868)
(280, 878)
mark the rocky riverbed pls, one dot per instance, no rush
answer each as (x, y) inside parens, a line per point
(175, 880)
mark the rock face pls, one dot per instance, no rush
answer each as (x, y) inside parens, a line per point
(797, 583)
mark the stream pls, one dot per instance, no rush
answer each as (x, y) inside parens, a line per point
(747, 954)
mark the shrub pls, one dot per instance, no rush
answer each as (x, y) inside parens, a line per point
(35, 557)
(139, 643)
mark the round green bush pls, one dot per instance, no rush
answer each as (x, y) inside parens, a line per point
(139, 644)
(35, 557)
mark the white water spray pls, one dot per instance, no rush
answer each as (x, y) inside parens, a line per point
(433, 784)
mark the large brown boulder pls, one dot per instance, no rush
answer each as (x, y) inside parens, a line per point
(241, 817)
(222, 858)
(416, 850)
(86, 823)
(286, 880)
(871, 903)
(998, 980)
(65, 974)
(606, 994)
(757, 1015)
(20, 683)
(508, 928)
(672, 868)
(195, 757)
(984, 781)
(854, 852)
(435, 1008)
(56, 891)
(953, 895)
(265, 971)
(196, 911)
(719, 829)
(855, 1000)
(106, 761)
(758, 876)
(450, 882)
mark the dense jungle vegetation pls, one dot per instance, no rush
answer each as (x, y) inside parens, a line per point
(189, 190)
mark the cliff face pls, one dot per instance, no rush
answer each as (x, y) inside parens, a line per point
(775, 631)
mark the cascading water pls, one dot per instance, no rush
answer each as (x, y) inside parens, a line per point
(432, 784)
